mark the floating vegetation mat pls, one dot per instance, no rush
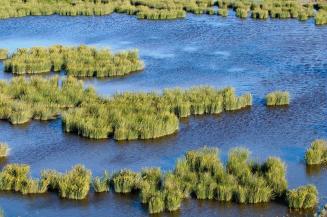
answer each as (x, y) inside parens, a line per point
(79, 61)
(166, 9)
(199, 174)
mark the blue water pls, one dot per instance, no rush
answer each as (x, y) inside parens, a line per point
(251, 55)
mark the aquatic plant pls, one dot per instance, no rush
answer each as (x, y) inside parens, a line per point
(321, 17)
(75, 184)
(277, 98)
(79, 61)
(302, 197)
(317, 152)
(3, 54)
(4, 150)
(101, 184)
(125, 181)
(163, 9)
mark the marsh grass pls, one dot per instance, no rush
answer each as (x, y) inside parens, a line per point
(317, 153)
(101, 184)
(3, 54)
(200, 174)
(4, 150)
(302, 197)
(278, 98)
(82, 61)
(165, 9)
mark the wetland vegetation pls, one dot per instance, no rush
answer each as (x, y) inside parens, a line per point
(199, 174)
(124, 116)
(4, 150)
(167, 9)
(317, 153)
(278, 98)
(82, 61)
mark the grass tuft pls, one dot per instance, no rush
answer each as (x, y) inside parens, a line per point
(316, 153)
(278, 98)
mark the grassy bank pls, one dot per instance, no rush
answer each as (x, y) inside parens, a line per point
(199, 174)
(166, 9)
(82, 61)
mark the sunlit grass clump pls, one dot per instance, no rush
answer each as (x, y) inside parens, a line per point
(101, 184)
(131, 116)
(317, 153)
(3, 54)
(303, 197)
(278, 98)
(4, 150)
(125, 181)
(79, 61)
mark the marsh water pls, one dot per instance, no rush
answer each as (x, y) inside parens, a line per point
(250, 55)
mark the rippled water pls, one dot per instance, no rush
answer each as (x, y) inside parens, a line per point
(256, 56)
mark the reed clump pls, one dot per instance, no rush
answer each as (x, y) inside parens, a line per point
(82, 61)
(302, 197)
(3, 54)
(4, 150)
(277, 98)
(125, 181)
(317, 153)
(101, 184)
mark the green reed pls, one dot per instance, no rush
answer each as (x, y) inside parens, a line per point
(317, 153)
(79, 61)
(277, 98)
(303, 197)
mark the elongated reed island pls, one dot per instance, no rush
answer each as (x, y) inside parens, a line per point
(124, 116)
(317, 153)
(82, 61)
(278, 98)
(167, 9)
(199, 174)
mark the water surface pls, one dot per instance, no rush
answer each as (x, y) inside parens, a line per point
(255, 56)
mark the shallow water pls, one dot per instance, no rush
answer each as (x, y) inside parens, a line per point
(255, 56)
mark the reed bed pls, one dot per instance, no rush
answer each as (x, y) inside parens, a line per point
(124, 116)
(317, 153)
(303, 197)
(4, 150)
(278, 98)
(3, 54)
(165, 9)
(199, 173)
(82, 61)
(131, 116)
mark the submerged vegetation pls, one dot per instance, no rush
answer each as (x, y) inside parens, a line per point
(200, 174)
(317, 153)
(124, 116)
(4, 150)
(278, 98)
(79, 61)
(166, 9)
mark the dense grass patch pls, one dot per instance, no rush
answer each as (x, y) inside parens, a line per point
(124, 116)
(278, 98)
(316, 153)
(79, 61)
(3, 54)
(200, 174)
(4, 150)
(164, 9)
(303, 197)
(149, 115)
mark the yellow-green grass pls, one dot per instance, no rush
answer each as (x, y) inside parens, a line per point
(82, 61)
(3, 54)
(199, 174)
(165, 9)
(4, 150)
(278, 98)
(317, 153)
